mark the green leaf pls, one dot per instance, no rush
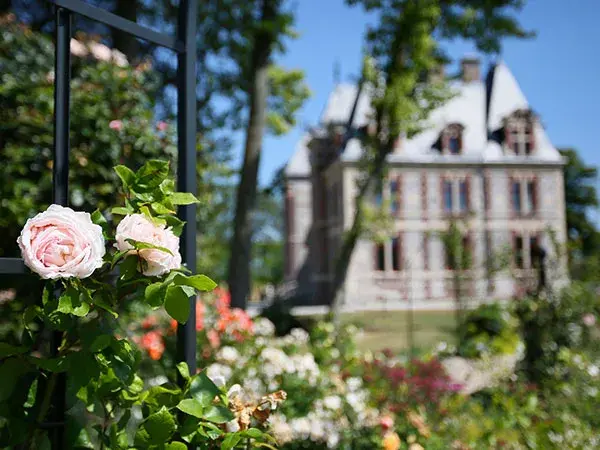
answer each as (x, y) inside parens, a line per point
(218, 414)
(71, 302)
(11, 350)
(176, 446)
(199, 282)
(126, 175)
(160, 426)
(175, 224)
(184, 370)
(56, 365)
(155, 294)
(30, 314)
(129, 267)
(143, 245)
(203, 389)
(101, 303)
(177, 304)
(162, 396)
(183, 198)
(99, 219)
(159, 208)
(10, 372)
(100, 343)
(191, 407)
(254, 433)
(230, 441)
(152, 174)
(121, 211)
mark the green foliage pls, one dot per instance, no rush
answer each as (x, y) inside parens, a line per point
(488, 330)
(101, 368)
(581, 199)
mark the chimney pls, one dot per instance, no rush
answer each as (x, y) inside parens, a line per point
(470, 68)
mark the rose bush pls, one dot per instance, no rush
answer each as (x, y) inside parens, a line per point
(72, 335)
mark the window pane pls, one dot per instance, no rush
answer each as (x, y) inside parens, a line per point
(516, 195)
(395, 204)
(531, 196)
(447, 196)
(528, 148)
(380, 257)
(519, 252)
(463, 196)
(395, 254)
(454, 145)
(534, 251)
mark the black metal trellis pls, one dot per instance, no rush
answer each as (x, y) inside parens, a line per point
(184, 44)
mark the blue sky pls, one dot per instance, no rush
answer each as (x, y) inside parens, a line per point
(559, 70)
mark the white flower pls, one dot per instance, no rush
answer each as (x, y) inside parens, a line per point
(593, 370)
(140, 228)
(263, 327)
(77, 48)
(354, 384)
(119, 58)
(299, 335)
(100, 51)
(232, 426)
(228, 355)
(332, 439)
(332, 402)
(218, 371)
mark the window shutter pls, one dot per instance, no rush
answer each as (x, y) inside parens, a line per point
(400, 196)
(460, 140)
(468, 191)
(442, 196)
(445, 141)
(401, 251)
(513, 212)
(425, 252)
(532, 134)
(535, 194)
(375, 256)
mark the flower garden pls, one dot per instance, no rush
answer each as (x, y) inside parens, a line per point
(113, 294)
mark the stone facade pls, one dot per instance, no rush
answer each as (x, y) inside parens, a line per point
(485, 162)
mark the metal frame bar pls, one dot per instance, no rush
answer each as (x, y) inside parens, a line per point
(186, 167)
(115, 21)
(184, 44)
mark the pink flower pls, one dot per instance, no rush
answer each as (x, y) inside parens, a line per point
(140, 228)
(154, 344)
(162, 126)
(386, 422)
(62, 243)
(119, 58)
(7, 295)
(115, 125)
(213, 338)
(589, 320)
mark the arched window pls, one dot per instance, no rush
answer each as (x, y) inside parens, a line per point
(519, 136)
(452, 139)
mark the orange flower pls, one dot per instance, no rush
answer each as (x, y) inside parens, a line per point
(213, 338)
(149, 322)
(154, 345)
(391, 441)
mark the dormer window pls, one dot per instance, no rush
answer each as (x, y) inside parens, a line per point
(519, 135)
(452, 139)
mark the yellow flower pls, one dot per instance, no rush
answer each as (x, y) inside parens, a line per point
(391, 441)
(415, 446)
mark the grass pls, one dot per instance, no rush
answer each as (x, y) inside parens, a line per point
(389, 329)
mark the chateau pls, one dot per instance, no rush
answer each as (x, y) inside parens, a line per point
(484, 158)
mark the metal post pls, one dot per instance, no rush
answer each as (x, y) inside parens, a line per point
(60, 188)
(186, 166)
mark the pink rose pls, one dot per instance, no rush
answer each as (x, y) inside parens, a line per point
(62, 243)
(139, 228)
(78, 49)
(162, 126)
(589, 320)
(115, 125)
(100, 51)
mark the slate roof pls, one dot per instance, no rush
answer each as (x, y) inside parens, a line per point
(480, 106)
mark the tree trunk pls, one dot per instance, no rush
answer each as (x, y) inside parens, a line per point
(239, 260)
(123, 41)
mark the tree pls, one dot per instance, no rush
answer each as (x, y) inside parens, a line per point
(581, 198)
(402, 49)
(274, 24)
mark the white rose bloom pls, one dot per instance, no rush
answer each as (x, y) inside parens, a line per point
(300, 335)
(332, 402)
(263, 327)
(228, 355)
(354, 384)
(593, 370)
(218, 371)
